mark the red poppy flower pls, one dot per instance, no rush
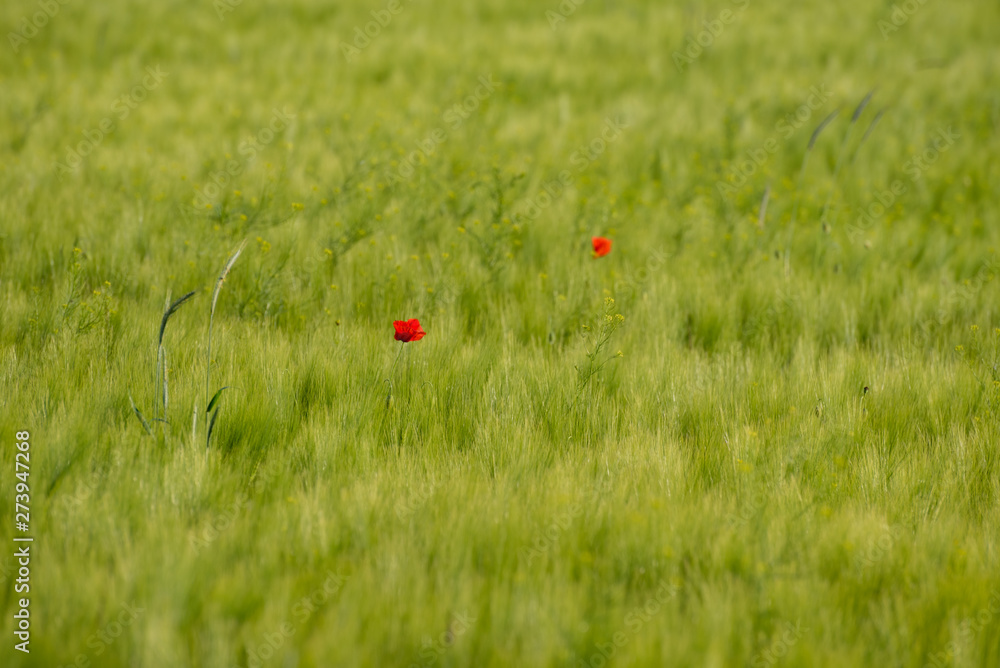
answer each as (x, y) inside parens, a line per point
(408, 330)
(602, 246)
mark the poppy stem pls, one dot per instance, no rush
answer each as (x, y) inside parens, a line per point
(388, 397)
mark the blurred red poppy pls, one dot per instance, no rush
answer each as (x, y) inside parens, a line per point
(408, 330)
(602, 246)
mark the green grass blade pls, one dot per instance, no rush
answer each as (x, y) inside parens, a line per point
(138, 414)
(215, 398)
(170, 311)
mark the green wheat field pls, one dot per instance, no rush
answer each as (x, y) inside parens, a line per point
(763, 430)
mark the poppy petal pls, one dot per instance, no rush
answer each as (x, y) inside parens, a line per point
(408, 330)
(602, 246)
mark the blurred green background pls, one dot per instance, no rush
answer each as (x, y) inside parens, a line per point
(787, 453)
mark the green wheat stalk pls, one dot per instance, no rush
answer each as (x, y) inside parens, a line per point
(210, 403)
(805, 160)
(864, 137)
(161, 354)
(798, 188)
(762, 215)
(843, 150)
(138, 414)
